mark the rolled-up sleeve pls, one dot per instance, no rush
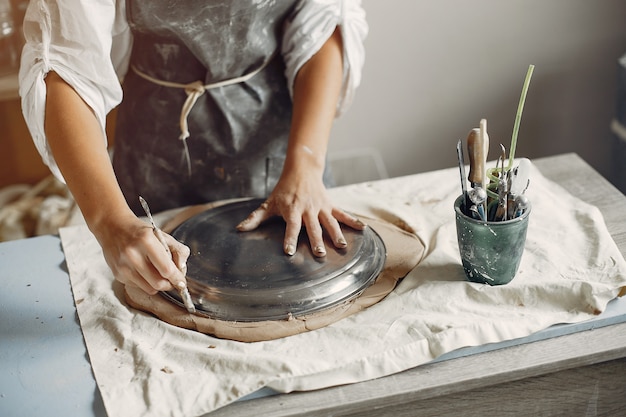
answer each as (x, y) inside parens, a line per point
(310, 26)
(86, 43)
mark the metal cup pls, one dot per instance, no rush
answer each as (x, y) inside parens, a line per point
(490, 251)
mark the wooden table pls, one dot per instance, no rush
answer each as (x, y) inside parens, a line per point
(578, 374)
(44, 366)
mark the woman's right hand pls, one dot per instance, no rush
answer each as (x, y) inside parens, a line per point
(137, 257)
(131, 249)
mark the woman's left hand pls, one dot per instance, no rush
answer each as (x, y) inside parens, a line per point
(302, 200)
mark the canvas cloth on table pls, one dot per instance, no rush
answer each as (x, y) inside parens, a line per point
(570, 270)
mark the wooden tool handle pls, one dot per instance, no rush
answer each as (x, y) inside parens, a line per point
(477, 157)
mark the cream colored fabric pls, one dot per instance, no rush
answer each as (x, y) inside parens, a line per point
(404, 251)
(27, 211)
(571, 268)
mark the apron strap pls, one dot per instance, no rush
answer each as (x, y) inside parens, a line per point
(194, 90)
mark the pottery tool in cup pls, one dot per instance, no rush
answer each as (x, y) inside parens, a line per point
(521, 176)
(503, 190)
(478, 146)
(461, 158)
(181, 286)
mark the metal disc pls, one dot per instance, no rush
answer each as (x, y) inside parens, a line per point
(246, 276)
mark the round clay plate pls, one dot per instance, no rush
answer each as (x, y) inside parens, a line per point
(246, 276)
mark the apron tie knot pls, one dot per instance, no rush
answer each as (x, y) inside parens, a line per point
(194, 90)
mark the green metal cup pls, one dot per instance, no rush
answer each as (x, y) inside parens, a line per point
(490, 251)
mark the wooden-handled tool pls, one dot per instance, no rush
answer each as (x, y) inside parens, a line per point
(478, 148)
(477, 158)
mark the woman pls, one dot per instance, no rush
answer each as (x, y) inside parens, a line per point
(222, 99)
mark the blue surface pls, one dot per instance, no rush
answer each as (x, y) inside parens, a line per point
(44, 368)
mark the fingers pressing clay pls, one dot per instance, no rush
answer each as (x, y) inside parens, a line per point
(255, 218)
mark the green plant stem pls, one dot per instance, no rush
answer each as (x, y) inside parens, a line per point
(518, 116)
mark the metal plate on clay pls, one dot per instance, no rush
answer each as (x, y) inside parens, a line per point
(246, 276)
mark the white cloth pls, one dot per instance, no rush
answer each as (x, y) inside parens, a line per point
(570, 270)
(88, 43)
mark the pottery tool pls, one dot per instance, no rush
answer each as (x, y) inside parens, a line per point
(477, 146)
(503, 189)
(181, 286)
(478, 197)
(520, 205)
(520, 177)
(461, 158)
(484, 138)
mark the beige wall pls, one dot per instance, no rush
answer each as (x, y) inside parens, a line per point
(434, 68)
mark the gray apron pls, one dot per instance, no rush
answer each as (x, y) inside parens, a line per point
(238, 133)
